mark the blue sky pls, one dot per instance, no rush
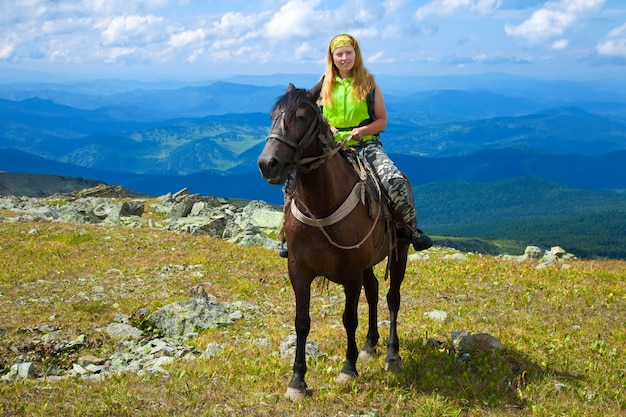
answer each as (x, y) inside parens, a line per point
(204, 39)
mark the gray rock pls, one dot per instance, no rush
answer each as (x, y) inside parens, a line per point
(465, 342)
(287, 348)
(121, 331)
(25, 370)
(211, 350)
(185, 318)
(436, 315)
(533, 252)
(456, 257)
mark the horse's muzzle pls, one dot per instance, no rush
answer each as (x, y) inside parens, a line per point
(272, 169)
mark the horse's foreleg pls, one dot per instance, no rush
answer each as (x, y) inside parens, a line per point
(370, 284)
(297, 387)
(350, 322)
(393, 361)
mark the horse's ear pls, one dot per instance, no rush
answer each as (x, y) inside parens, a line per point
(291, 87)
(314, 92)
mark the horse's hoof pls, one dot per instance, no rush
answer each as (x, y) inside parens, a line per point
(295, 394)
(344, 379)
(394, 365)
(367, 354)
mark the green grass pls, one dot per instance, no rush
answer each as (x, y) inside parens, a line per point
(562, 326)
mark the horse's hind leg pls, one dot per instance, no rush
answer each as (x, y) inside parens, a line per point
(370, 284)
(393, 362)
(352, 292)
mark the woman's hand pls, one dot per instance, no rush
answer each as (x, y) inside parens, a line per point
(357, 133)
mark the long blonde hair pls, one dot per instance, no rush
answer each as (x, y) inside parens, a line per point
(363, 82)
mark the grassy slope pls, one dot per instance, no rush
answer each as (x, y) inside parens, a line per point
(561, 326)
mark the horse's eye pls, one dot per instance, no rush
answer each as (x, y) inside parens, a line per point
(300, 114)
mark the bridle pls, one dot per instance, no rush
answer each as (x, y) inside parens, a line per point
(280, 134)
(313, 131)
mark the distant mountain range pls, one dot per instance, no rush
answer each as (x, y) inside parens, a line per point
(142, 140)
(463, 135)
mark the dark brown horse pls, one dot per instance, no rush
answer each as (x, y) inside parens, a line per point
(329, 232)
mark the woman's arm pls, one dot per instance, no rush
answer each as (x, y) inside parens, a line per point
(379, 124)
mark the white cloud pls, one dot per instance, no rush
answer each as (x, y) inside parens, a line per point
(553, 19)
(378, 58)
(616, 44)
(294, 33)
(131, 30)
(6, 51)
(179, 40)
(195, 54)
(393, 6)
(108, 7)
(115, 54)
(305, 51)
(448, 7)
(618, 32)
(296, 18)
(235, 24)
(560, 44)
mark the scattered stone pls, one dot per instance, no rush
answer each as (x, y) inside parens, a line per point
(101, 190)
(49, 337)
(25, 370)
(79, 369)
(121, 331)
(236, 315)
(465, 342)
(184, 318)
(533, 252)
(558, 251)
(550, 258)
(90, 360)
(211, 350)
(77, 341)
(456, 257)
(22, 370)
(121, 318)
(436, 315)
(198, 292)
(184, 212)
(287, 348)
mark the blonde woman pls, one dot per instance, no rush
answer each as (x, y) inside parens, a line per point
(353, 104)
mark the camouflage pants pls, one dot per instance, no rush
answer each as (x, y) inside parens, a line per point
(394, 182)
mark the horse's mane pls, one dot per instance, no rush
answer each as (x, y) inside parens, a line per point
(292, 99)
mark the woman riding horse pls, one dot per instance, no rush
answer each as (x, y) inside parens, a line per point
(330, 230)
(353, 104)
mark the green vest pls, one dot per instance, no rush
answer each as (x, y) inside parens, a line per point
(344, 113)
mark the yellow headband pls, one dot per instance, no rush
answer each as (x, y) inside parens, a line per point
(339, 41)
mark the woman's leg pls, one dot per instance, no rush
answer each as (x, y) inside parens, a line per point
(398, 190)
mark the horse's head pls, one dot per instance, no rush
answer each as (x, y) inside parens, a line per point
(296, 123)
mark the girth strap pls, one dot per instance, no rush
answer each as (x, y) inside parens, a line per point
(355, 196)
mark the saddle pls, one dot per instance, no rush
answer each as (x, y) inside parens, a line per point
(373, 192)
